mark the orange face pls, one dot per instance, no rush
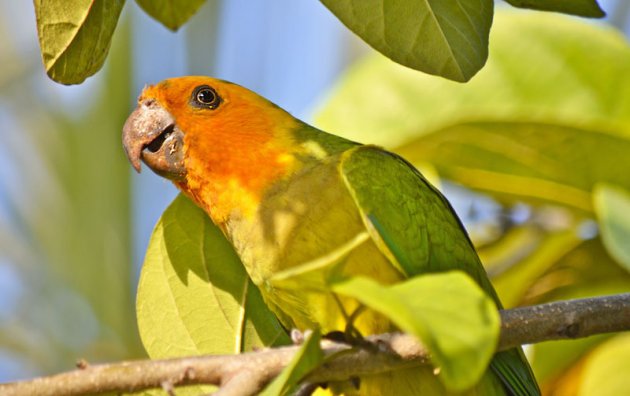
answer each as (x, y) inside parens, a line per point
(214, 139)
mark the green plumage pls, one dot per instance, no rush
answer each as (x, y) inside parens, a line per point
(420, 228)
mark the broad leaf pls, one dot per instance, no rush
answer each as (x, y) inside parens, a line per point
(448, 38)
(171, 13)
(309, 357)
(531, 161)
(75, 35)
(586, 8)
(194, 295)
(448, 312)
(572, 75)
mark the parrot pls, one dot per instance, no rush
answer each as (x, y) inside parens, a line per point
(285, 194)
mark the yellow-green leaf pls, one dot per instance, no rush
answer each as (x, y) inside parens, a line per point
(75, 35)
(587, 271)
(448, 38)
(171, 13)
(448, 312)
(527, 161)
(570, 74)
(612, 206)
(605, 371)
(515, 282)
(194, 296)
(307, 358)
(586, 8)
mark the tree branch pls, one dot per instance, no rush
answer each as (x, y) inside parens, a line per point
(553, 321)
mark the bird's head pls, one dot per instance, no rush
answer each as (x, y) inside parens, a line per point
(210, 136)
(183, 120)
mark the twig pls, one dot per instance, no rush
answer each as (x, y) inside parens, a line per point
(248, 373)
(565, 319)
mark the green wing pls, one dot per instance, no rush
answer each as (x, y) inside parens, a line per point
(417, 229)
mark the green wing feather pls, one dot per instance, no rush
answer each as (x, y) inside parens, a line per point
(416, 227)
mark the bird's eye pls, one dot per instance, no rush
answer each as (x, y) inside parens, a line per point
(206, 97)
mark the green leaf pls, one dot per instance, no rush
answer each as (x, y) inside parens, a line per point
(194, 296)
(606, 368)
(586, 8)
(171, 13)
(612, 206)
(308, 358)
(448, 38)
(513, 131)
(448, 312)
(75, 35)
(571, 76)
(527, 161)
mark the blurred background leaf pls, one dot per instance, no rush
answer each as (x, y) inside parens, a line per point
(612, 205)
(68, 232)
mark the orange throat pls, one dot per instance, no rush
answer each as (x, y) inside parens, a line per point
(228, 179)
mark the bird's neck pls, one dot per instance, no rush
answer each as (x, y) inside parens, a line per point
(228, 175)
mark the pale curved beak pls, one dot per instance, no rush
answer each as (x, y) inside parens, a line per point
(150, 134)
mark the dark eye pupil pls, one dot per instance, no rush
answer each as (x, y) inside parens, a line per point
(206, 96)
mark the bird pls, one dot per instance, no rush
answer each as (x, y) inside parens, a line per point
(285, 193)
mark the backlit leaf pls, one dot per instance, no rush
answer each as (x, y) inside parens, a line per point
(571, 75)
(309, 357)
(448, 312)
(194, 296)
(530, 161)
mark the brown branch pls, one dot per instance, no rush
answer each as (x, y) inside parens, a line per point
(248, 373)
